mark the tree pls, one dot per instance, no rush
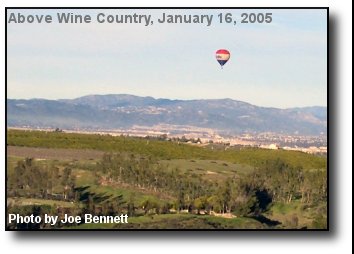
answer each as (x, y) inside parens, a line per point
(67, 182)
(225, 196)
(199, 204)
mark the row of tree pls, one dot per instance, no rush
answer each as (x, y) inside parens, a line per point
(35, 180)
(275, 181)
(252, 194)
(146, 173)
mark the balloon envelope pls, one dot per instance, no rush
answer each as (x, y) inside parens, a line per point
(222, 56)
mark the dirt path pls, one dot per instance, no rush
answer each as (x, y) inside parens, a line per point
(53, 153)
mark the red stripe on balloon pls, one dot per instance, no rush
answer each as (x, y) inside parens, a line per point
(222, 51)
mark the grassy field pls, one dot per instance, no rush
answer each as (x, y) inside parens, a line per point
(209, 169)
(159, 149)
(179, 221)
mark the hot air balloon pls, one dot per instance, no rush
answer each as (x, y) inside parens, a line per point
(222, 56)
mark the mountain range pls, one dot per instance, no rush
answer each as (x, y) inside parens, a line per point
(119, 111)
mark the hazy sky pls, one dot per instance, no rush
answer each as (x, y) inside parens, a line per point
(282, 64)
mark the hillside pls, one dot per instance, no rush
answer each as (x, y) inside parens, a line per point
(162, 184)
(124, 111)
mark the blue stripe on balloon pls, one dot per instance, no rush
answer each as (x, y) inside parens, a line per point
(222, 62)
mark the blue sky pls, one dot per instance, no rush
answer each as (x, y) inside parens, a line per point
(282, 64)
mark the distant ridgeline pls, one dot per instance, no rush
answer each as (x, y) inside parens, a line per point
(97, 112)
